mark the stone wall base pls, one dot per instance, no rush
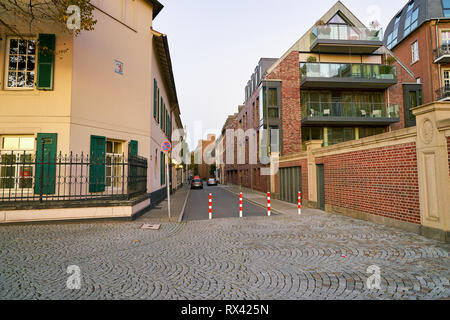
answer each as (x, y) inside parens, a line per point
(123, 212)
(403, 225)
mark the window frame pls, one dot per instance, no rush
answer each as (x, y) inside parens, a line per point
(415, 49)
(6, 63)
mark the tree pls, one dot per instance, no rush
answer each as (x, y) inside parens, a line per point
(29, 16)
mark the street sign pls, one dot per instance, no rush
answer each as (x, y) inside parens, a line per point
(166, 146)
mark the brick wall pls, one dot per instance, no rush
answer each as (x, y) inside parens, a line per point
(289, 72)
(381, 181)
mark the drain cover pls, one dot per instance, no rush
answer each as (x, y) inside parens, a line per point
(151, 226)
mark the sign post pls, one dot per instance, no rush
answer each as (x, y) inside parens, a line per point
(166, 147)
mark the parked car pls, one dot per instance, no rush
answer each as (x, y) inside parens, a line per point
(197, 183)
(212, 182)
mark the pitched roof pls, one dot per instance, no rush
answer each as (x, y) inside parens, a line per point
(428, 10)
(303, 44)
(157, 7)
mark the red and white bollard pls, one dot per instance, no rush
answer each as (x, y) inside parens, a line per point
(240, 205)
(210, 206)
(268, 204)
(299, 203)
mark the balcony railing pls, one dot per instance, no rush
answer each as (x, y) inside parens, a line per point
(348, 70)
(25, 177)
(344, 32)
(443, 93)
(350, 110)
(442, 51)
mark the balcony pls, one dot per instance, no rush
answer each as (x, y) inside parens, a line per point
(443, 94)
(347, 76)
(442, 54)
(349, 113)
(345, 39)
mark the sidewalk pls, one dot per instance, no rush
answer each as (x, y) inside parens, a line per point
(159, 213)
(260, 198)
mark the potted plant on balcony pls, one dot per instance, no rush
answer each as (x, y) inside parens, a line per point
(324, 28)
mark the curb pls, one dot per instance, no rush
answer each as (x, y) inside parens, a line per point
(277, 212)
(180, 219)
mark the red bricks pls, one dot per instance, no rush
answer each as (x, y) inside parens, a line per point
(289, 72)
(382, 181)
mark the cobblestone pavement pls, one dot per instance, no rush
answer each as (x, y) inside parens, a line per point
(315, 256)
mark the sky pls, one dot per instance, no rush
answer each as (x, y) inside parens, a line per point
(215, 46)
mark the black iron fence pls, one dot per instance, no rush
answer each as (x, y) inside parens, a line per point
(27, 177)
(443, 93)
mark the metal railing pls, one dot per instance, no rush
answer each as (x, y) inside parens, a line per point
(441, 51)
(348, 70)
(344, 32)
(25, 177)
(349, 110)
(443, 93)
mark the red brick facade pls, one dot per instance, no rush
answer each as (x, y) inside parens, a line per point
(289, 72)
(382, 181)
(424, 68)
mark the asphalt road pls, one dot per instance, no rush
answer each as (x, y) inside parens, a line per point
(225, 205)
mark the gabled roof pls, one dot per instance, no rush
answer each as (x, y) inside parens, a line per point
(165, 63)
(303, 44)
(157, 7)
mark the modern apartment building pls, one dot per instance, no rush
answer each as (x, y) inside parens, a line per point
(419, 36)
(333, 85)
(83, 118)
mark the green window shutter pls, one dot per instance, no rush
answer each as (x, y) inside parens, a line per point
(133, 148)
(157, 108)
(46, 163)
(46, 61)
(162, 113)
(97, 167)
(155, 98)
(163, 167)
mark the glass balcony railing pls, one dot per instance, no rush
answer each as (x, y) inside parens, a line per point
(344, 32)
(348, 70)
(350, 110)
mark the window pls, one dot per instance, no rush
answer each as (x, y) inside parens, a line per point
(392, 37)
(163, 167)
(16, 153)
(415, 51)
(155, 99)
(113, 161)
(411, 19)
(446, 8)
(21, 62)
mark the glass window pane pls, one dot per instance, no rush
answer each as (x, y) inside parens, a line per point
(109, 146)
(31, 47)
(12, 79)
(22, 63)
(11, 143)
(30, 79)
(20, 79)
(13, 63)
(22, 46)
(13, 46)
(27, 143)
(30, 63)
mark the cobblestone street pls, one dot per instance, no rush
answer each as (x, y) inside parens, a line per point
(315, 256)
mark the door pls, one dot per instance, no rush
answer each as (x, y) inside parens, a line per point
(97, 167)
(290, 184)
(46, 163)
(320, 187)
